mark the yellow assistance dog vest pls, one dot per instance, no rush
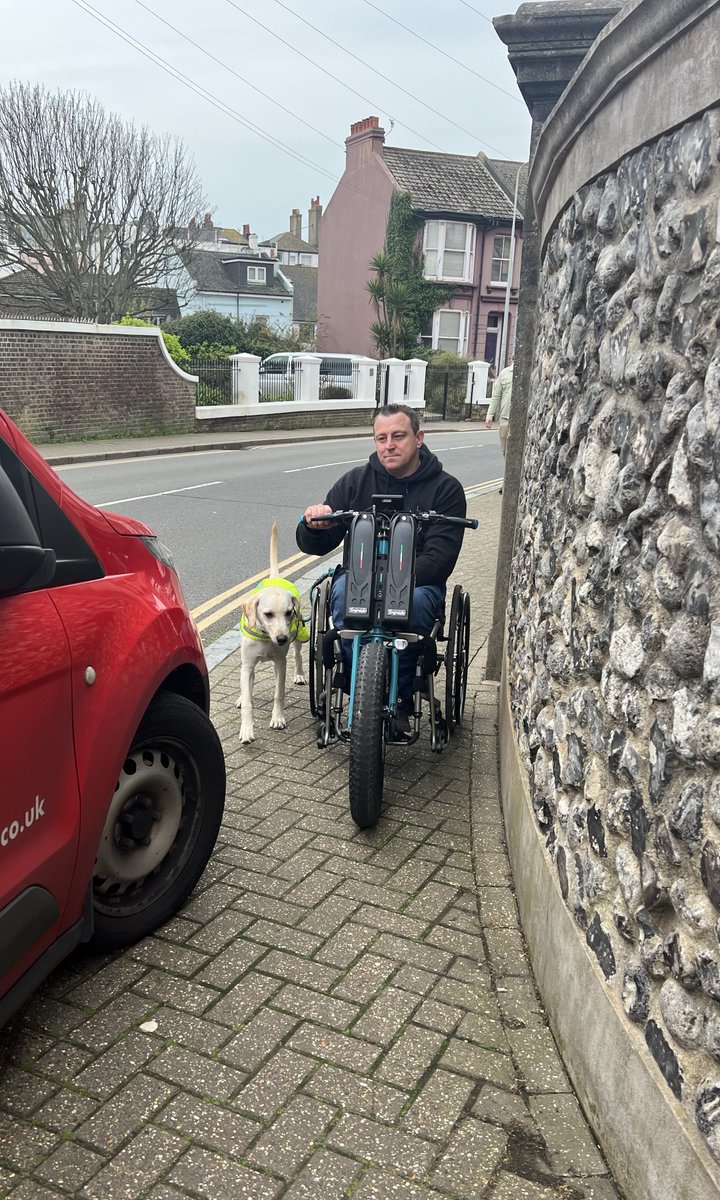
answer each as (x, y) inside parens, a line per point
(298, 628)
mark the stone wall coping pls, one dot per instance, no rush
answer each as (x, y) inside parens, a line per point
(604, 113)
(13, 324)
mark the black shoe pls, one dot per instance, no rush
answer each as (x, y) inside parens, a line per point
(499, 491)
(403, 731)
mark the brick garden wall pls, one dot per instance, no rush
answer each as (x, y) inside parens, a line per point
(62, 382)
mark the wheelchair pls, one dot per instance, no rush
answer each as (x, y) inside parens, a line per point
(359, 705)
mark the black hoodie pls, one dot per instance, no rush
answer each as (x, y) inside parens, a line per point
(429, 488)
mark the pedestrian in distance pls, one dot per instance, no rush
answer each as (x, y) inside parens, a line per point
(401, 464)
(500, 405)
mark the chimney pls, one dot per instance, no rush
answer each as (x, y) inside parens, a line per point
(207, 221)
(296, 223)
(246, 230)
(366, 138)
(314, 215)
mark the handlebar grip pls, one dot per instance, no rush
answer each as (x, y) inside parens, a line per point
(467, 522)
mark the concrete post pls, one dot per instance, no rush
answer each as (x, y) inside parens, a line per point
(245, 378)
(365, 378)
(393, 381)
(477, 382)
(307, 378)
(546, 43)
(416, 368)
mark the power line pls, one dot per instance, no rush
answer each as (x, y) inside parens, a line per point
(443, 52)
(329, 74)
(369, 67)
(199, 90)
(204, 94)
(476, 10)
(237, 75)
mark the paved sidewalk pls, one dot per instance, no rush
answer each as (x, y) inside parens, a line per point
(60, 453)
(333, 1014)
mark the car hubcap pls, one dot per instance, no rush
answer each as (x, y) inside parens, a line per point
(143, 822)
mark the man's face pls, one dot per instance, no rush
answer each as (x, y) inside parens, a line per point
(398, 448)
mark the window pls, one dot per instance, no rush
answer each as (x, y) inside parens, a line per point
(292, 259)
(449, 330)
(256, 274)
(500, 266)
(306, 260)
(449, 250)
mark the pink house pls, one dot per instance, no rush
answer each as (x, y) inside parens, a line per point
(467, 206)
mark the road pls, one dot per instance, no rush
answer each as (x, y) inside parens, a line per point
(214, 509)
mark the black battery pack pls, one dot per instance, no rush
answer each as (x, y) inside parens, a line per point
(399, 583)
(360, 572)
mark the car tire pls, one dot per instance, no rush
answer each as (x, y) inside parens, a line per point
(162, 823)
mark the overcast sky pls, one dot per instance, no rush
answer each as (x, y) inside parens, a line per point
(261, 155)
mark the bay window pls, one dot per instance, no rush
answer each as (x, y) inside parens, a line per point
(449, 250)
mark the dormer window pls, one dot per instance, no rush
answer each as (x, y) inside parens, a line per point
(256, 274)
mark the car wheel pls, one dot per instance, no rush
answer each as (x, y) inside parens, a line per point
(162, 823)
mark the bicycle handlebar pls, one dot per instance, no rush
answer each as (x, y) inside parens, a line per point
(425, 518)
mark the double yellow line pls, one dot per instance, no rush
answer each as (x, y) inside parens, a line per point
(240, 591)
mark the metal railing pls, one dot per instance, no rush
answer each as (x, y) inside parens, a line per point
(446, 389)
(214, 380)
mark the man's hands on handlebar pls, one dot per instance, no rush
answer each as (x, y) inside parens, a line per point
(313, 511)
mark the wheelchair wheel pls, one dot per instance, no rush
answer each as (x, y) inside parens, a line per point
(318, 626)
(451, 656)
(462, 659)
(367, 739)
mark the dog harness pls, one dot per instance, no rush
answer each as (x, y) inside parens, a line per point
(298, 628)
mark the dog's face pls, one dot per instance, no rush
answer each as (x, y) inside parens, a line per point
(272, 610)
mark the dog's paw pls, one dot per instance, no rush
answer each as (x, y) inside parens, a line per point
(277, 721)
(300, 679)
(247, 734)
(238, 702)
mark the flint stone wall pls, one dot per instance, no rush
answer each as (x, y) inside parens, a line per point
(614, 610)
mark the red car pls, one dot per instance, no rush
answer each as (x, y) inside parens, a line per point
(113, 777)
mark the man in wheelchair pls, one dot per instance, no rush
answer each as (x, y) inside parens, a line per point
(401, 464)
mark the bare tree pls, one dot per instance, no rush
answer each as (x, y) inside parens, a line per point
(91, 209)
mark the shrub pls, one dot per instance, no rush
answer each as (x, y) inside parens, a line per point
(333, 391)
(172, 344)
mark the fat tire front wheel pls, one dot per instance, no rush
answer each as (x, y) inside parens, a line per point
(367, 738)
(162, 822)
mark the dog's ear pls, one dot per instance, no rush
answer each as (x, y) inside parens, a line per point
(250, 609)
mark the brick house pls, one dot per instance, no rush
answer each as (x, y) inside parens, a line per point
(467, 205)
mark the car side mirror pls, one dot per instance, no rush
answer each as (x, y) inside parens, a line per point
(23, 561)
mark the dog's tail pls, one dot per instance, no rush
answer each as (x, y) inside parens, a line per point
(274, 569)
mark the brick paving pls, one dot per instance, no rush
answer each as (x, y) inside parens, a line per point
(333, 1014)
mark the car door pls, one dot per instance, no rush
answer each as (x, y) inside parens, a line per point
(39, 801)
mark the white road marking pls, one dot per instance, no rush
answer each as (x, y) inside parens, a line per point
(138, 458)
(152, 495)
(321, 466)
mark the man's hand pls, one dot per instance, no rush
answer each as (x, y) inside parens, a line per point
(488, 422)
(318, 510)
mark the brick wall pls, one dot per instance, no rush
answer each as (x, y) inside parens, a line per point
(62, 382)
